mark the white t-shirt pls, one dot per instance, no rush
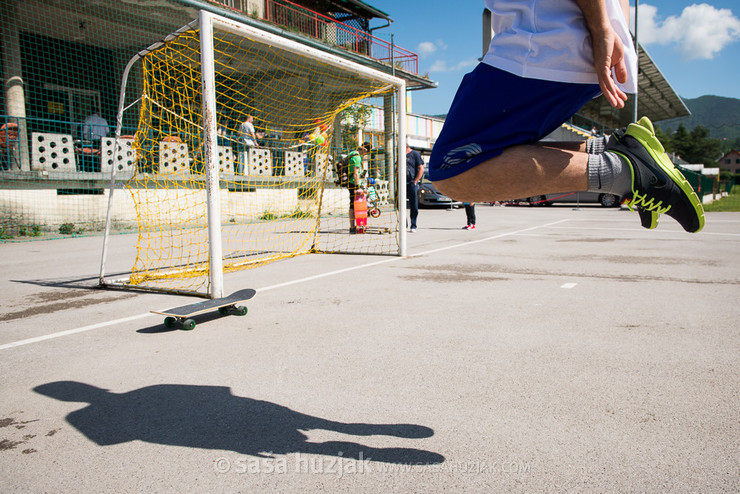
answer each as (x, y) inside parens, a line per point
(246, 129)
(549, 39)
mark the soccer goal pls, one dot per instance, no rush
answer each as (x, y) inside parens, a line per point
(232, 164)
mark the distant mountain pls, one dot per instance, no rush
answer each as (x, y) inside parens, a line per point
(720, 115)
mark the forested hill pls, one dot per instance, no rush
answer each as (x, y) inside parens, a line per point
(718, 114)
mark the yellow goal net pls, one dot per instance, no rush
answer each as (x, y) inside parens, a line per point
(236, 155)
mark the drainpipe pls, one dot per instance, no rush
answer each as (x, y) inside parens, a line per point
(373, 29)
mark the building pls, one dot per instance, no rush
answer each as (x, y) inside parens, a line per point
(63, 60)
(730, 161)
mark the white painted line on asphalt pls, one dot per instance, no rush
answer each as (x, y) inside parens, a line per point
(569, 285)
(684, 235)
(279, 285)
(72, 331)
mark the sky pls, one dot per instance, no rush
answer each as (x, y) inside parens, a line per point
(695, 45)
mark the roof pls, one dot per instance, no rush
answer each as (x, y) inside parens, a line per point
(731, 152)
(656, 99)
(353, 7)
(369, 8)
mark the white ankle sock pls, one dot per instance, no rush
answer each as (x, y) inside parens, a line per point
(609, 172)
(596, 145)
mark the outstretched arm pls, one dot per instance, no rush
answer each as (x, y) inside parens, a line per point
(608, 50)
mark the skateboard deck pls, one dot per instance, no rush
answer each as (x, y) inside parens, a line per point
(181, 315)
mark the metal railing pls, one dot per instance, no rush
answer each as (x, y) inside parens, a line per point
(294, 17)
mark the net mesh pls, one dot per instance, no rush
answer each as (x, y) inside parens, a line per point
(281, 119)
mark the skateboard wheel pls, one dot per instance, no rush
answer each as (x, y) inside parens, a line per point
(169, 322)
(223, 310)
(188, 325)
(241, 310)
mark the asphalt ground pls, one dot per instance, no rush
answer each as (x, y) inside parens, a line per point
(551, 349)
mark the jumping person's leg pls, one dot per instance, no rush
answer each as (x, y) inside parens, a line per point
(489, 146)
(520, 171)
(488, 151)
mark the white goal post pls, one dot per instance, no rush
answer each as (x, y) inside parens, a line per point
(208, 126)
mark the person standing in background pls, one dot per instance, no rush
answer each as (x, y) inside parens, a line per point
(470, 214)
(414, 172)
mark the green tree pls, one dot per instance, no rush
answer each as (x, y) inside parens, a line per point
(353, 118)
(678, 141)
(730, 144)
(696, 146)
(664, 139)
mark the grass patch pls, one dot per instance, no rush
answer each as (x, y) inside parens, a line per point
(297, 214)
(729, 203)
(33, 231)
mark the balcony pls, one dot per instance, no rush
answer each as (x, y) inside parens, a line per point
(293, 17)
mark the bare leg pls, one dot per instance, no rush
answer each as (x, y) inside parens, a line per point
(522, 171)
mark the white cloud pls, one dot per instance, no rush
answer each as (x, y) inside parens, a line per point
(442, 66)
(441, 44)
(426, 48)
(439, 66)
(701, 31)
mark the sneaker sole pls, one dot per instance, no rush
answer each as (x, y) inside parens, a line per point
(656, 151)
(653, 220)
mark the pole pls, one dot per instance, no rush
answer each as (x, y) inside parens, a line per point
(401, 168)
(637, 50)
(213, 190)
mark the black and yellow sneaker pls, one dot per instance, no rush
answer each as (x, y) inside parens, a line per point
(657, 186)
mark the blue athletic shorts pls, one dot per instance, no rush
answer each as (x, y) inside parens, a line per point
(494, 109)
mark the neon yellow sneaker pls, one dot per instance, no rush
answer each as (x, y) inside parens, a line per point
(657, 186)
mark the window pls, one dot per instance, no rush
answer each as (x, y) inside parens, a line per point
(80, 104)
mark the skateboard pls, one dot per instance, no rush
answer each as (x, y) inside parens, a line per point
(360, 208)
(181, 315)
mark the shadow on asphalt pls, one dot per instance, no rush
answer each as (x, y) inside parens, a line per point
(210, 417)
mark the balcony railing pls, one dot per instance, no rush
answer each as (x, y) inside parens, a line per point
(300, 19)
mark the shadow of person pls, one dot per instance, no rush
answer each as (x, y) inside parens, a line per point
(210, 417)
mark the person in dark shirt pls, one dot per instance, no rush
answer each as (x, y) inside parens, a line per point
(414, 172)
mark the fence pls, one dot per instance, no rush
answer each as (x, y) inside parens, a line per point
(704, 185)
(64, 62)
(305, 21)
(65, 191)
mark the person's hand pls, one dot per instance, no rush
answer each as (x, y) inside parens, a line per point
(608, 54)
(608, 51)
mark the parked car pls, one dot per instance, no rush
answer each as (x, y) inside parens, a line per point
(606, 200)
(429, 197)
